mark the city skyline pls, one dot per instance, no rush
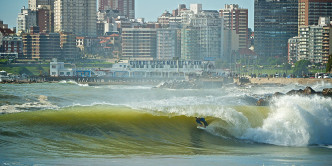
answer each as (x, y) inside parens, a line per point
(9, 10)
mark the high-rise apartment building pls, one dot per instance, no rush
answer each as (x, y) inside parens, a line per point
(310, 11)
(202, 34)
(41, 45)
(275, 22)
(26, 19)
(45, 19)
(76, 16)
(33, 4)
(139, 43)
(125, 7)
(167, 44)
(68, 45)
(236, 19)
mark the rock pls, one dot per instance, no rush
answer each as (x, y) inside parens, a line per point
(309, 91)
(262, 102)
(278, 94)
(327, 92)
(295, 92)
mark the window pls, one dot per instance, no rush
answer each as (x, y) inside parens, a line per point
(53, 66)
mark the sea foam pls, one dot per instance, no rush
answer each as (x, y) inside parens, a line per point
(295, 121)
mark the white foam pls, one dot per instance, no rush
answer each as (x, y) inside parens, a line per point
(43, 103)
(296, 121)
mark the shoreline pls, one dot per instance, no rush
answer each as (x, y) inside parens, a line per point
(148, 81)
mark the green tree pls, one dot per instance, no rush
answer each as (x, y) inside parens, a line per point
(301, 67)
(329, 65)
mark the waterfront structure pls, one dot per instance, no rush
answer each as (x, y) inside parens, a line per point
(125, 7)
(310, 11)
(201, 34)
(168, 46)
(57, 69)
(139, 43)
(45, 18)
(33, 4)
(236, 19)
(38, 45)
(275, 22)
(26, 19)
(76, 16)
(158, 68)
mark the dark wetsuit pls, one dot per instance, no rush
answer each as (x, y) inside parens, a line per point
(201, 120)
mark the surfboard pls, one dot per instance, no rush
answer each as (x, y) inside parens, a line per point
(201, 127)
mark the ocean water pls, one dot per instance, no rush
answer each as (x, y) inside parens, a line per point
(72, 124)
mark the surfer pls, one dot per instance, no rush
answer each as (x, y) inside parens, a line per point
(201, 122)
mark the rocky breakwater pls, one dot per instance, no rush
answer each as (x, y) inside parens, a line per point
(327, 92)
(193, 84)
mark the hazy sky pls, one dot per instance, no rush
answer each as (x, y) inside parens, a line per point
(148, 9)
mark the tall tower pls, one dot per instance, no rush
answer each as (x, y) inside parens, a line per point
(275, 22)
(310, 11)
(125, 7)
(236, 19)
(76, 16)
(33, 4)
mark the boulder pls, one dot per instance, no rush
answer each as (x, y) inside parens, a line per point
(327, 92)
(262, 102)
(278, 94)
(309, 91)
(295, 92)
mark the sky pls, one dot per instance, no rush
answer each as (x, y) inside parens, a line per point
(148, 9)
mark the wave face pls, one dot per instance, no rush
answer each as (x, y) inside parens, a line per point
(118, 130)
(83, 121)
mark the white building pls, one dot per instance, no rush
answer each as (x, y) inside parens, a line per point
(57, 69)
(25, 20)
(76, 16)
(167, 44)
(202, 34)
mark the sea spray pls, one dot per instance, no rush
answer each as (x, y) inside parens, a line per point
(296, 121)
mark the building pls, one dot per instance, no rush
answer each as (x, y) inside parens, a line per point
(201, 34)
(26, 19)
(12, 45)
(168, 44)
(139, 43)
(293, 51)
(33, 4)
(236, 19)
(57, 69)
(157, 68)
(310, 11)
(310, 44)
(125, 7)
(45, 19)
(327, 43)
(69, 51)
(76, 16)
(275, 22)
(38, 45)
